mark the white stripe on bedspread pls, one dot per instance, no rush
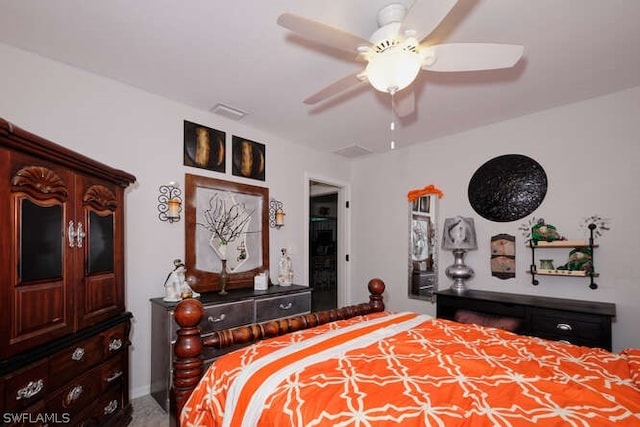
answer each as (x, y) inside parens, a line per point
(258, 398)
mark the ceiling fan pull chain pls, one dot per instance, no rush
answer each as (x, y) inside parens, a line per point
(392, 126)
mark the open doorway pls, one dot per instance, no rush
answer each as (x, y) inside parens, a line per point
(324, 241)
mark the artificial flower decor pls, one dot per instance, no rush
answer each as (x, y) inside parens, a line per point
(429, 189)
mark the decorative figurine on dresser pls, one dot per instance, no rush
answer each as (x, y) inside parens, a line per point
(176, 286)
(64, 334)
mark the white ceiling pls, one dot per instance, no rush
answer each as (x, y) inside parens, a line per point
(205, 52)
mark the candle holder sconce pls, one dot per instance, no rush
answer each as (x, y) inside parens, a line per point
(170, 202)
(276, 214)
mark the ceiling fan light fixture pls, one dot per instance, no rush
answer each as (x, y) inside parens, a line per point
(393, 69)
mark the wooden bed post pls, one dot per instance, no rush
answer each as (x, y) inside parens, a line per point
(187, 366)
(188, 348)
(376, 288)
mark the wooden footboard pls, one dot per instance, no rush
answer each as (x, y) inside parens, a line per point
(188, 363)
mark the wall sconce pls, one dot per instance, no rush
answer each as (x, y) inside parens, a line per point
(276, 214)
(170, 202)
(459, 237)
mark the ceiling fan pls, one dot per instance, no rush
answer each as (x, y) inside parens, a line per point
(399, 49)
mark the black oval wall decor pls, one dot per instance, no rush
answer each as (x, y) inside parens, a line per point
(507, 188)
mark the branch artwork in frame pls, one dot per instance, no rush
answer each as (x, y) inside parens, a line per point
(204, 147)
(249, 158)
(227, 221)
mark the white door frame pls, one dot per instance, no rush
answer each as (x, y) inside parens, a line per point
(344, 238)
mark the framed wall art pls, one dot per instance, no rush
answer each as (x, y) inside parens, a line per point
(503, 256)
(225, 220)
(507, 188)
(204, 147)
(249, 158)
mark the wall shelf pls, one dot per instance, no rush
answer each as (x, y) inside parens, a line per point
(564, 244)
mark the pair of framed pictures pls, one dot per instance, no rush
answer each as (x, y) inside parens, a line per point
(206, 148)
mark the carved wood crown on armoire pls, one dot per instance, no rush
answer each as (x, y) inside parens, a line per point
(64, 330)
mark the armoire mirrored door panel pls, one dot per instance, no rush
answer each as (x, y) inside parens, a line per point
(41, 241)
(100, 242)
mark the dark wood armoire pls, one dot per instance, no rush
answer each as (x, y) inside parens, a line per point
(64, 330)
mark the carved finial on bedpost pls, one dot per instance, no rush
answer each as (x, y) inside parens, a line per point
(187, 366)
(376, 288)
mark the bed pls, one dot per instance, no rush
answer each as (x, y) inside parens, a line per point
(364, 366)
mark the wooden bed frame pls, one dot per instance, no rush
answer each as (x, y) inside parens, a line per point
(188, 348)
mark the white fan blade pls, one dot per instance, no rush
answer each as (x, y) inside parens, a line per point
(470, 56)
(404, 102)
(322, 33)
(425, 15)
(335, 88)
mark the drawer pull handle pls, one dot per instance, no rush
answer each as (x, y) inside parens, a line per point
(78, 354)
(115, 376)
(564, 327)
(30, 390)
(286, 307)
(115, 344)
(71, 235)
(217, 319)
(111, 407)
(73, 395)
(80, 235)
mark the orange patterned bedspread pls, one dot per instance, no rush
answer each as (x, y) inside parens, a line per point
(416, 371)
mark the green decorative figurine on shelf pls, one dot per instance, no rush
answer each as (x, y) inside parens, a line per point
(542, 232)
(580, 259)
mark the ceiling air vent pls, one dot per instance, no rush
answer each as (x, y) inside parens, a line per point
(228, 112)
(353, 151)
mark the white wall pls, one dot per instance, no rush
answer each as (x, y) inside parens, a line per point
(589, 151)
(142, 134)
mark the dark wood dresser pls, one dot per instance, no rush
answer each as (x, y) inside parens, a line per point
(64, 334)
(578, 322)
(239, 307)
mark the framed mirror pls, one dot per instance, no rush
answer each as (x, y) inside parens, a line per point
(423, 241)
(225, 220)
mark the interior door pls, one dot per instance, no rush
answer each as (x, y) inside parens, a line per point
(323, 249)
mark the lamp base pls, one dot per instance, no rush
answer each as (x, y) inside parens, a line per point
(459, 271)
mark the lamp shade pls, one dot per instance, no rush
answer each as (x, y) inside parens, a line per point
(459, 233)
(394, 69)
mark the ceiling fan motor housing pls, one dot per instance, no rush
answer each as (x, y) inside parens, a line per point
(394, 12)
(393, 60)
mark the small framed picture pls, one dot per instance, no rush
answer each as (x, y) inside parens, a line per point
(503, 256)
(204, 147)
(249, 159)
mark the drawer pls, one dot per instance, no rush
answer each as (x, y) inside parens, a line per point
(110, 405)
(282, 306)
(26, 386)
(114, 340)
(113, 371)
(221, 316)
(225, 316)
(75, 360)
(557, 323)
(77, 395)
(447, 306)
